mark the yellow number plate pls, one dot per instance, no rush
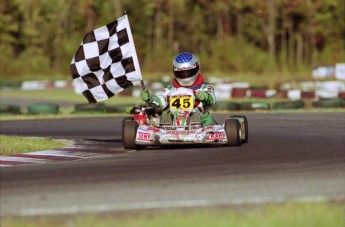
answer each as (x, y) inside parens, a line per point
(181, 102)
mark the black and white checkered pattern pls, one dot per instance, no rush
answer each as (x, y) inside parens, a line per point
(106, 62)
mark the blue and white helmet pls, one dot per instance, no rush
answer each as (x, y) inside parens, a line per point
(186, 68)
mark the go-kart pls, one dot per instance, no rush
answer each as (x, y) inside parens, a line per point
(180, 124)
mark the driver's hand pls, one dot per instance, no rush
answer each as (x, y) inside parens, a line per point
(201, 95)
(145, 95)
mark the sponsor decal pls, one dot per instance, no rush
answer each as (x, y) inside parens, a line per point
(207, 128)
(181, 115)
(180, 132)
(144, 136)
(185, 68)
(181, 96)
(215, 136)
(154, 129)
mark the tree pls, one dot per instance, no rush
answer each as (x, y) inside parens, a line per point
(250, 35)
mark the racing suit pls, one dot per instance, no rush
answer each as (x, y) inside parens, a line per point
(205, 98)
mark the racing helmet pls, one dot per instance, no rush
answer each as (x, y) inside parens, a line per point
(186, 68)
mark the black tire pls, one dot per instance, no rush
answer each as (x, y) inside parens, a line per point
(123, 124)
(288, 105)
(244, 127)
(90, 108)
(43, 109)
(117, 108)
(129, 134)
(226, 105)
(233, 106)
(254, 106)
(221, 105)
(233, 130)
(329, 103)
(9, 109)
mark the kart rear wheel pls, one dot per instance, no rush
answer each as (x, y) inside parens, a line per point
(244, 127)
(129, 134)
(233, 132)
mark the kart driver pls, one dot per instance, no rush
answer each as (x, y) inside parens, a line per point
(187, 75)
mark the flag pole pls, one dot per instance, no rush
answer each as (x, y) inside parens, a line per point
(142, 84)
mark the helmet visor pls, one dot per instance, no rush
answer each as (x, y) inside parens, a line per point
(182, 74)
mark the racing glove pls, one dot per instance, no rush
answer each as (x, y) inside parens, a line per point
(201, 95)
(205, 97)
(145, 95)
(150, 99)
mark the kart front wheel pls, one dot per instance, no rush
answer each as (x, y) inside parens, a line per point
(244, 127)
(123, 124)
(129, 134)
(233, 132)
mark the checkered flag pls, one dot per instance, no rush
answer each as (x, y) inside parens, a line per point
(106, 62)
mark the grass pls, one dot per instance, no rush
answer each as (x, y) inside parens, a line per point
(60, 95)
(16, 145)
(282, 215)
(64, 113)
(63, 95)
(255, 79)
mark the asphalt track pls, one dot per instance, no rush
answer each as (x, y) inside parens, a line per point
(289, 157)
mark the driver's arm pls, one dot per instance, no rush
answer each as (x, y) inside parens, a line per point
(156, 101)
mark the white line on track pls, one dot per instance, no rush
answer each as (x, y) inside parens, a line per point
(2, 165)
(47, 156)
(63, 210)
(22, 159)
(68, 154)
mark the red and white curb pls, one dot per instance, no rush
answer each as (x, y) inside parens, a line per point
(48, 156)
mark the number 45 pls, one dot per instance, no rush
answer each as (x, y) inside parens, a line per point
(177, 103)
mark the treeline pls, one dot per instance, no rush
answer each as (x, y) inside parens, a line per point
(40, 37)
